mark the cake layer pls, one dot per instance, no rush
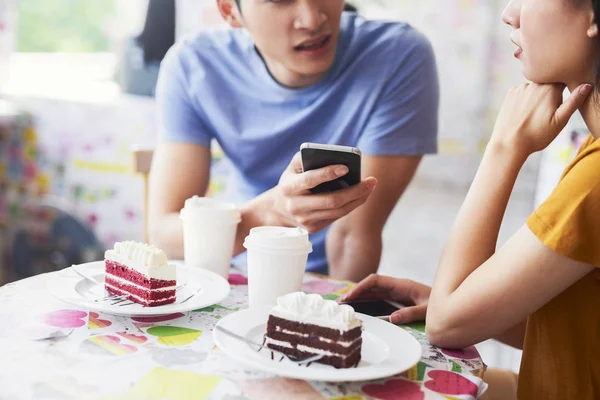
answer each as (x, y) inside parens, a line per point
(293, 326)
(317, 342)
(152, 294)
(142, 300)
(334, 360)
(136, 277)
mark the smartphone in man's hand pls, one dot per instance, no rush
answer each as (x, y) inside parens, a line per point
(315, 156)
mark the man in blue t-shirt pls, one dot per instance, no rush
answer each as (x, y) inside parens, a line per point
(294, 71)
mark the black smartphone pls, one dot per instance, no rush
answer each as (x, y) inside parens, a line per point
(375, 308)
(315, 156)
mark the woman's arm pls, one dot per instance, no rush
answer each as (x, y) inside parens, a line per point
(479, 294)
(514, 336)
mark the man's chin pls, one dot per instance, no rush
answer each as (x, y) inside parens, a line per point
(314, 68)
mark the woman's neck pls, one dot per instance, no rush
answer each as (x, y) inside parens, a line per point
(590, 111)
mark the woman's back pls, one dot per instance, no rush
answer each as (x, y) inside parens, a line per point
(561, 357)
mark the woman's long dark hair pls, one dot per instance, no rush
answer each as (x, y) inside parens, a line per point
(596, 7)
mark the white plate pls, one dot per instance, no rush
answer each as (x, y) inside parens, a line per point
(386, 350)
(205, 288)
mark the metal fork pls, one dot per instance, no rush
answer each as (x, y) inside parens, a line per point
(258, 347)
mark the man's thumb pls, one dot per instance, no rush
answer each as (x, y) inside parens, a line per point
(572, 104)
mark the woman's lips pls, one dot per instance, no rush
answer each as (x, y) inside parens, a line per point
(518, 52)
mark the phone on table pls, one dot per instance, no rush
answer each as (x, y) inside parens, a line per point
(315, 156)
(381, 309)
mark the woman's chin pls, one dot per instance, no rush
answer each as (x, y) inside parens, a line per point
(537, 77)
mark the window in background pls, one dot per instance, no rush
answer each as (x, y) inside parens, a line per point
(71, 48)
(73, 26)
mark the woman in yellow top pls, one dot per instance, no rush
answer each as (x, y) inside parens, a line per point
(541, 290)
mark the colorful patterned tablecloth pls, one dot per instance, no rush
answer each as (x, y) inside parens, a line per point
(50, 350)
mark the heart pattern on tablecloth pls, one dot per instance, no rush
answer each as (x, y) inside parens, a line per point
(137, 339)
(160, 318)
(237, 280)
(322, 287)
(470, 353)
(65, 318)
(451, 383)
(111, 344)
(94, 321)
(395, 389)
(174, 335)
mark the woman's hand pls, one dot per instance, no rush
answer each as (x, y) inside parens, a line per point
(413, 295)
(533, 115)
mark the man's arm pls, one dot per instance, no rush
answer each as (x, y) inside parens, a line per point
(179, 171)
(182, 170)
(354, 243)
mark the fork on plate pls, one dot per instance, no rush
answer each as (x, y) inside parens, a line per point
(259, 347)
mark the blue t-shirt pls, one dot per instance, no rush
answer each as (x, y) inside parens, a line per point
(381, 95)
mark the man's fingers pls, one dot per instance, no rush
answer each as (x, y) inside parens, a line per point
(409, 314)
(296, 164)
(572, 104)
(314, 221)
(300, 205)
(302, 182)
(308, 209)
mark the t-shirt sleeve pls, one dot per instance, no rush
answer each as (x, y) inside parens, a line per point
(568, 222)
(178, 112)
(405, 118)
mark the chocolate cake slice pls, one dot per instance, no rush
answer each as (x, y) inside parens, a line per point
(303, 325)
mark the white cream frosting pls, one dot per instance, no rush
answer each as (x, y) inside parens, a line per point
(313, 309)
(148, 260)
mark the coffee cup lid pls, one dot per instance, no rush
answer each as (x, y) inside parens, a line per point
(210, 209)
(277, 238)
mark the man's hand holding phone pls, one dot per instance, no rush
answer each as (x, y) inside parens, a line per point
(298, 206)
(413, 295)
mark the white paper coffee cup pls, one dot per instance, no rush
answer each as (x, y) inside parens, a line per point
(209, 229)
(277, 259)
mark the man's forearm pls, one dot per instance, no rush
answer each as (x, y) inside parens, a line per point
(352, 257)
(167, 233)
(168, 229)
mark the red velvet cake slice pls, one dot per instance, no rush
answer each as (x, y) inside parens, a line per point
(141, 272)
(303, 325)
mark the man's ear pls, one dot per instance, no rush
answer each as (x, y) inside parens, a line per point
(230, 13)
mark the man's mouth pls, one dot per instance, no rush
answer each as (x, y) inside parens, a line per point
(313, 45)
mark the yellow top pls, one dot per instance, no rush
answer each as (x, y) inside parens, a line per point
(561, 354)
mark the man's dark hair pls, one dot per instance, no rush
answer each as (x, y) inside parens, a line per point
(347, 6)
